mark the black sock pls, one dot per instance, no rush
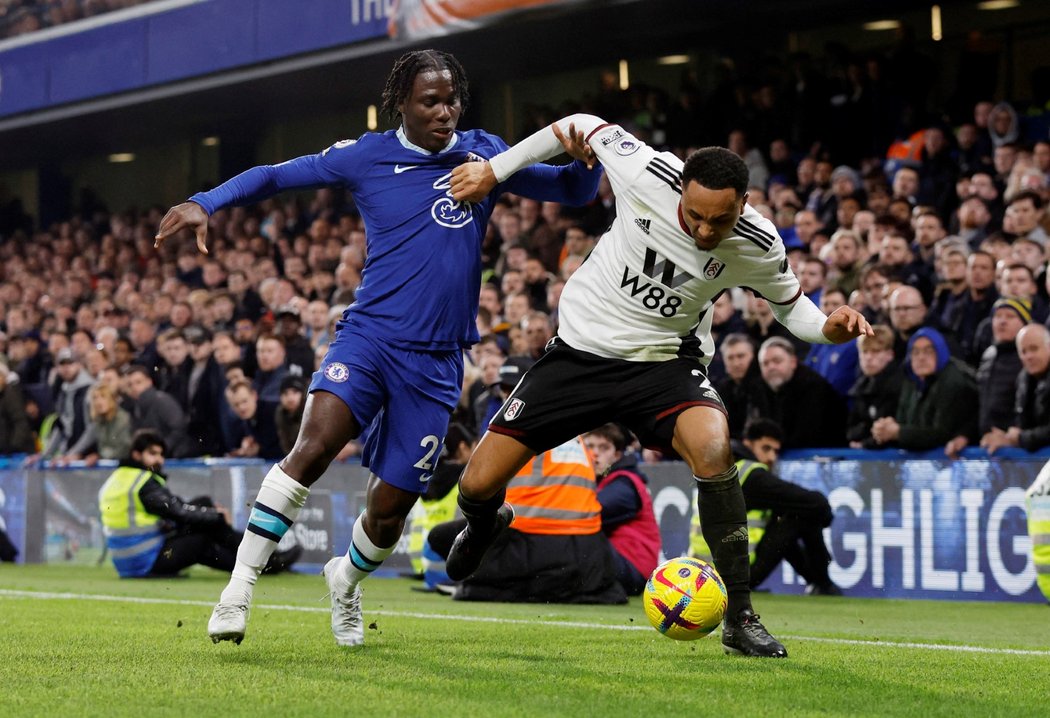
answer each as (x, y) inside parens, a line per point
(481, 515)
(723, 520)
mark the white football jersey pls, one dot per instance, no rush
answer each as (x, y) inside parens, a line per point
(646, 290)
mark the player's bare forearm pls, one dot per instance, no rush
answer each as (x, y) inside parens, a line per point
(188, 215)
(472, 181)
(845, 324)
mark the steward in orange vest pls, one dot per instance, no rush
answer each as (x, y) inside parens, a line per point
(555, 551)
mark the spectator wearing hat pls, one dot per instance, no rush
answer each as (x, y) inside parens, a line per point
(205, 384)
(1017, 281)
(71, 437)
(845, 182)
(35, 364)
(298, 354)
(1030, 429)
(1000, 365)
(937, 401)
(289, 414)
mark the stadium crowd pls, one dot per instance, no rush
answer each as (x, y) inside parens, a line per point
(18, 17)
(935, 227)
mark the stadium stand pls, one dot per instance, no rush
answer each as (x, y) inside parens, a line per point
(20, 17)
(840, 143)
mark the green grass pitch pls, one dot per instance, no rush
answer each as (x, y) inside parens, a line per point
(77, 641)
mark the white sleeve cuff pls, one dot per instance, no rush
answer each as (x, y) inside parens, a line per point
(803, 319)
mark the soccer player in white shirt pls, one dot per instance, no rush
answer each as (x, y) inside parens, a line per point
(634, 337)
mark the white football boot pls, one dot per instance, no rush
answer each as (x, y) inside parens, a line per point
(227, 622)
(348, 625)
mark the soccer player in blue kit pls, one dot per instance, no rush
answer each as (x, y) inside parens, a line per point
(396, 363)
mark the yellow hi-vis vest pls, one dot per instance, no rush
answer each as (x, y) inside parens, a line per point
(756, 519)
(1037, 504)
(133, 535)
(425, 516)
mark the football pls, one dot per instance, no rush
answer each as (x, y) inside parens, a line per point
(685, 598)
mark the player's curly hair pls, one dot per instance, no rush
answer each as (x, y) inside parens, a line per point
(716, 168)
(399, 83)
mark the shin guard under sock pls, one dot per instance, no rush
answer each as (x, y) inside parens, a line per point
(275, 510)
(723, 520)
(362, 557)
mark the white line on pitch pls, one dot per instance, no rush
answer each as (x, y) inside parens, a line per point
(961, 648)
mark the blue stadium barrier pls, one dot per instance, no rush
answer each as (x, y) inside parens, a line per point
(906, 525)
(148, 49)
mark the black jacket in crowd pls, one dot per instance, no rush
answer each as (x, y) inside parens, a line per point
(812, 413)
(997, 387)
(873, 397)
(1033, 410)
(737, 396)
(16, 435)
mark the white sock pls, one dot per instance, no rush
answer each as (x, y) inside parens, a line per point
(275, 510)
(362, 558)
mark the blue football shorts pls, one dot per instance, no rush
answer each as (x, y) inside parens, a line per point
(402, 398)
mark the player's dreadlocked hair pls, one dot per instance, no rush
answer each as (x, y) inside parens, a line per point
(716, 168)
(399, 83)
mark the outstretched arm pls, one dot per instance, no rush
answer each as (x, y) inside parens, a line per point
(249, 186)
(808, 323)
(473, 180)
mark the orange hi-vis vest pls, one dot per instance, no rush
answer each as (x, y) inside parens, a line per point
(556, 493)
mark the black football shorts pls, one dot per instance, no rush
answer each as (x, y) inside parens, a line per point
(569, 392)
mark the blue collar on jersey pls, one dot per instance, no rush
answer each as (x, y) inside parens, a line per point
(408, 143)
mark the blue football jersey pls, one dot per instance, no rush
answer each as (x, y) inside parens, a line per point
(422, 275)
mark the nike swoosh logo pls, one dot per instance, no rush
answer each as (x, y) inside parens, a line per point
(398, 169)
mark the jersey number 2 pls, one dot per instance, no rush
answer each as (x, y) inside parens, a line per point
(425, 463)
